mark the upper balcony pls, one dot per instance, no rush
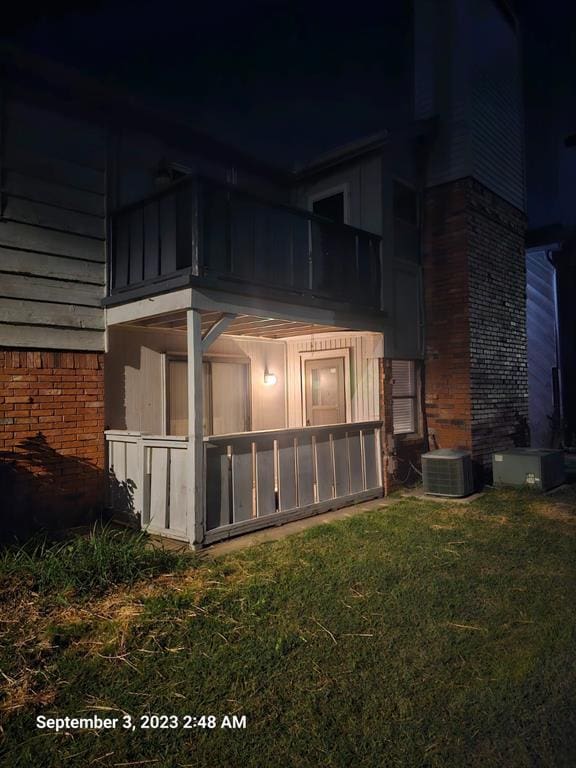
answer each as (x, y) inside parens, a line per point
(201, 233)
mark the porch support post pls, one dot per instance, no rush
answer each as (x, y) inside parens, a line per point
(195, 430)
(387, 442)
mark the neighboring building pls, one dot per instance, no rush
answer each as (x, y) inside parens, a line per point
(551, 315)
(551, 328)
(228, 345)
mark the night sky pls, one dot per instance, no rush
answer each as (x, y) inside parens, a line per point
(288, 80)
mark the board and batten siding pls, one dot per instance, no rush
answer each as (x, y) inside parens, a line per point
(52, 229)
(364, 351)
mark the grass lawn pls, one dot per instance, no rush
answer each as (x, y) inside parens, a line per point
(423, 634)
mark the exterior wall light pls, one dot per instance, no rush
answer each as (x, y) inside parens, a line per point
(269, 378)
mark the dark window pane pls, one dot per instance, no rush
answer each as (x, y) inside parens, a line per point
(331, 207)
(405, 204)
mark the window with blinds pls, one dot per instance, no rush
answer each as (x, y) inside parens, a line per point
(404, 397)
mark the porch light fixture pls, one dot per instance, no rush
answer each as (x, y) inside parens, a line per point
(269, 378)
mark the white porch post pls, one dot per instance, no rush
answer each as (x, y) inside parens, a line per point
(195, 430)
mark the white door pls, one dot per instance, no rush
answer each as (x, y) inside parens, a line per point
(325, 391)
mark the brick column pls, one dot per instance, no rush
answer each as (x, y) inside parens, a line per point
(51, 438)
(475, 303)
(385, 402)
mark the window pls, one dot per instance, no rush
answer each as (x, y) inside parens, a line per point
(331, 207)
(404, 397)
(226, 387)
(226, 396)
(405, 218)
(405, 204)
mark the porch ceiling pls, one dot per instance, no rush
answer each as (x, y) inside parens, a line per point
(242, 325)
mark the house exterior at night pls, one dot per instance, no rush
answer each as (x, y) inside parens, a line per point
(214, 345)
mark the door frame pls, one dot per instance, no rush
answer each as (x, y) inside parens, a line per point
(343, 352)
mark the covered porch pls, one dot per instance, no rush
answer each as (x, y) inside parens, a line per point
(224, 418)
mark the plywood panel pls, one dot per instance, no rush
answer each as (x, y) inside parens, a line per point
(324, 467)
(370, 459)
(305, 471)
(159, 487)
(288, 497)
(218, 499)
(242, 469)
(355, 459)
(178, 490)
(265, 477)
(342, 470)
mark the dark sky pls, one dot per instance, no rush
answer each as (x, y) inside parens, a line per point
(287, 80)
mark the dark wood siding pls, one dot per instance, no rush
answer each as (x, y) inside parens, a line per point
(52, 228)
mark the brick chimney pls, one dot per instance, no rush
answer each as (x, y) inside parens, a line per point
(467, 74)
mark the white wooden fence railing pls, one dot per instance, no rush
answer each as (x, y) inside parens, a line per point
(148, 477)
(252, 479)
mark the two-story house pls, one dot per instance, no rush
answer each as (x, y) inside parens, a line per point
(226, 345)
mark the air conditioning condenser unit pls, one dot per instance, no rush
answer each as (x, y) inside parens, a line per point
(447, 472)
(538, 468)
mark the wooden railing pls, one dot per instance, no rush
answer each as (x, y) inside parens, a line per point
(148, 478)
(201, 231)
(279, 472)
(252, 479)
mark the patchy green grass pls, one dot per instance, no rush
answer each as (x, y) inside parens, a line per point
(424, 634)
(87, 565)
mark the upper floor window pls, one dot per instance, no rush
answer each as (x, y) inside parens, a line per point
(405, 204)
(331, 207)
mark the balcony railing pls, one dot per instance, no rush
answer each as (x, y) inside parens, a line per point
(199, 231)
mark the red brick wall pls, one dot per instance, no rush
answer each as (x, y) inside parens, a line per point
(446, 301)
(475, 305)
(51, 437)
(401, 454)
